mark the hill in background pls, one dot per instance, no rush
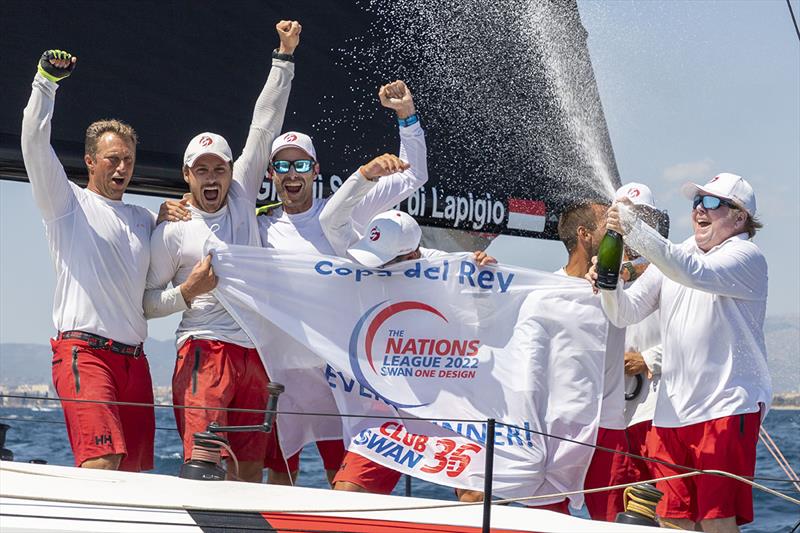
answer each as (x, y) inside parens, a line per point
(30, 363)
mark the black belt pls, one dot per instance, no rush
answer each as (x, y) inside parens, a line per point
(96, 341)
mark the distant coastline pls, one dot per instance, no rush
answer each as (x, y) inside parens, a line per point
(786, 400)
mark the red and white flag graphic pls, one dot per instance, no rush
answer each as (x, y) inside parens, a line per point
(526, 214)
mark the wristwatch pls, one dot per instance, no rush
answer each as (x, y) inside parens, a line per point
(628, 267)
(282, 57)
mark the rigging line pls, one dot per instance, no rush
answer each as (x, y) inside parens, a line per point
(242, 409)
(427, 419)
(772, 446)
(633, 455)
(794, 20)
(387, 509)
(61, 422)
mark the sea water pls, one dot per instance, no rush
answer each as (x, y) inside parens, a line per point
(42, 435)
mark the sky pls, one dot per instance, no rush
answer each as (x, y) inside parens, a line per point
(689, 89)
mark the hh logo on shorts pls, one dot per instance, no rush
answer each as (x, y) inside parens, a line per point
(99, 440)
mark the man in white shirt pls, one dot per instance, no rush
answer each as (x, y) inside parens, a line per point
(217, 363)
(642, 340)
(581, 228)
(715, 386)
(295, 225)
(100, 248)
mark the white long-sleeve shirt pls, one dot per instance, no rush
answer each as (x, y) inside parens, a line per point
(303, 232)
(612, 409)
(100, 247)
(178, 246)
(644, 337)
(712, 308)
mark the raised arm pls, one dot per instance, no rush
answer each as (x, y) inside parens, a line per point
(51, 189)
(395, 188)
(251, 167)
(336, 217)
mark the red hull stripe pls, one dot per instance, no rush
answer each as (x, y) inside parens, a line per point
(527, 207)
(292, 523)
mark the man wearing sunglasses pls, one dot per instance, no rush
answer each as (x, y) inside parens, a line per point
(711, 291)
(295, 226)
(217, 363)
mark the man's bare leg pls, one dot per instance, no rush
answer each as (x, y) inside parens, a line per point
(720, 525)
(250, 471)
(681, 523)
(281, 478)
(104, 462)
(348, 487)
(331, 474)
(465, 495)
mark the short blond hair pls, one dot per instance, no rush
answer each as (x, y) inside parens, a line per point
(97, 128)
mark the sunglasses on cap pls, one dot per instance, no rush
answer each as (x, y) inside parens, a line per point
(712, 202)
(300, 166)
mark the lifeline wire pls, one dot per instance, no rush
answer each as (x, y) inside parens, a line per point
(473, 421)
(403, 508)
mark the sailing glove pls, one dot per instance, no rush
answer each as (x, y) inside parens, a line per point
(52, 72)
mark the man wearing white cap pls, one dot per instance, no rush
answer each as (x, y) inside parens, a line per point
(642, 340)
(217, 364)
(294, 226)
(715, 386)
(390, 237)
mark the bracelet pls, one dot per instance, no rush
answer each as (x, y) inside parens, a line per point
(408, 121)
(282, 57)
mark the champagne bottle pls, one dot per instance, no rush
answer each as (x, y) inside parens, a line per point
(609, 258)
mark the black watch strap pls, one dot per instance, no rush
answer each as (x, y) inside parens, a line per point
(282, 57)
(628, 266)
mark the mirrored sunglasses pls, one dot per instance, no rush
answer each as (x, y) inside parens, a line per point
(300, 166)
(711, 202)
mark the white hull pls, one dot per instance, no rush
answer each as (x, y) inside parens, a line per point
(64, 499)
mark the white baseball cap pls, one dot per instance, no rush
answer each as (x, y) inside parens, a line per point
(728, 187)
(295, 139)
(207, 143)
(389, 235)
(639, 194)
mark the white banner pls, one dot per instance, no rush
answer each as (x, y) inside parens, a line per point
(444, 339)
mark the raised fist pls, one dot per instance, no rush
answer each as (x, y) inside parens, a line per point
(55, 65)
(397, 96)
(383, 165)
(289, 33)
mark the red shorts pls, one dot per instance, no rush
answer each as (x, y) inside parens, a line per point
(637, 441)
(367, 474)
(607, 469)
(220, 374)
(331, 452)
(85, 373)
(728, 444)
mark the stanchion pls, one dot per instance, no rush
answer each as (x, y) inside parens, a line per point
(408, 485)
(488, 471)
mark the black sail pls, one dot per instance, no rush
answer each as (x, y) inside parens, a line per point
(504, 88)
